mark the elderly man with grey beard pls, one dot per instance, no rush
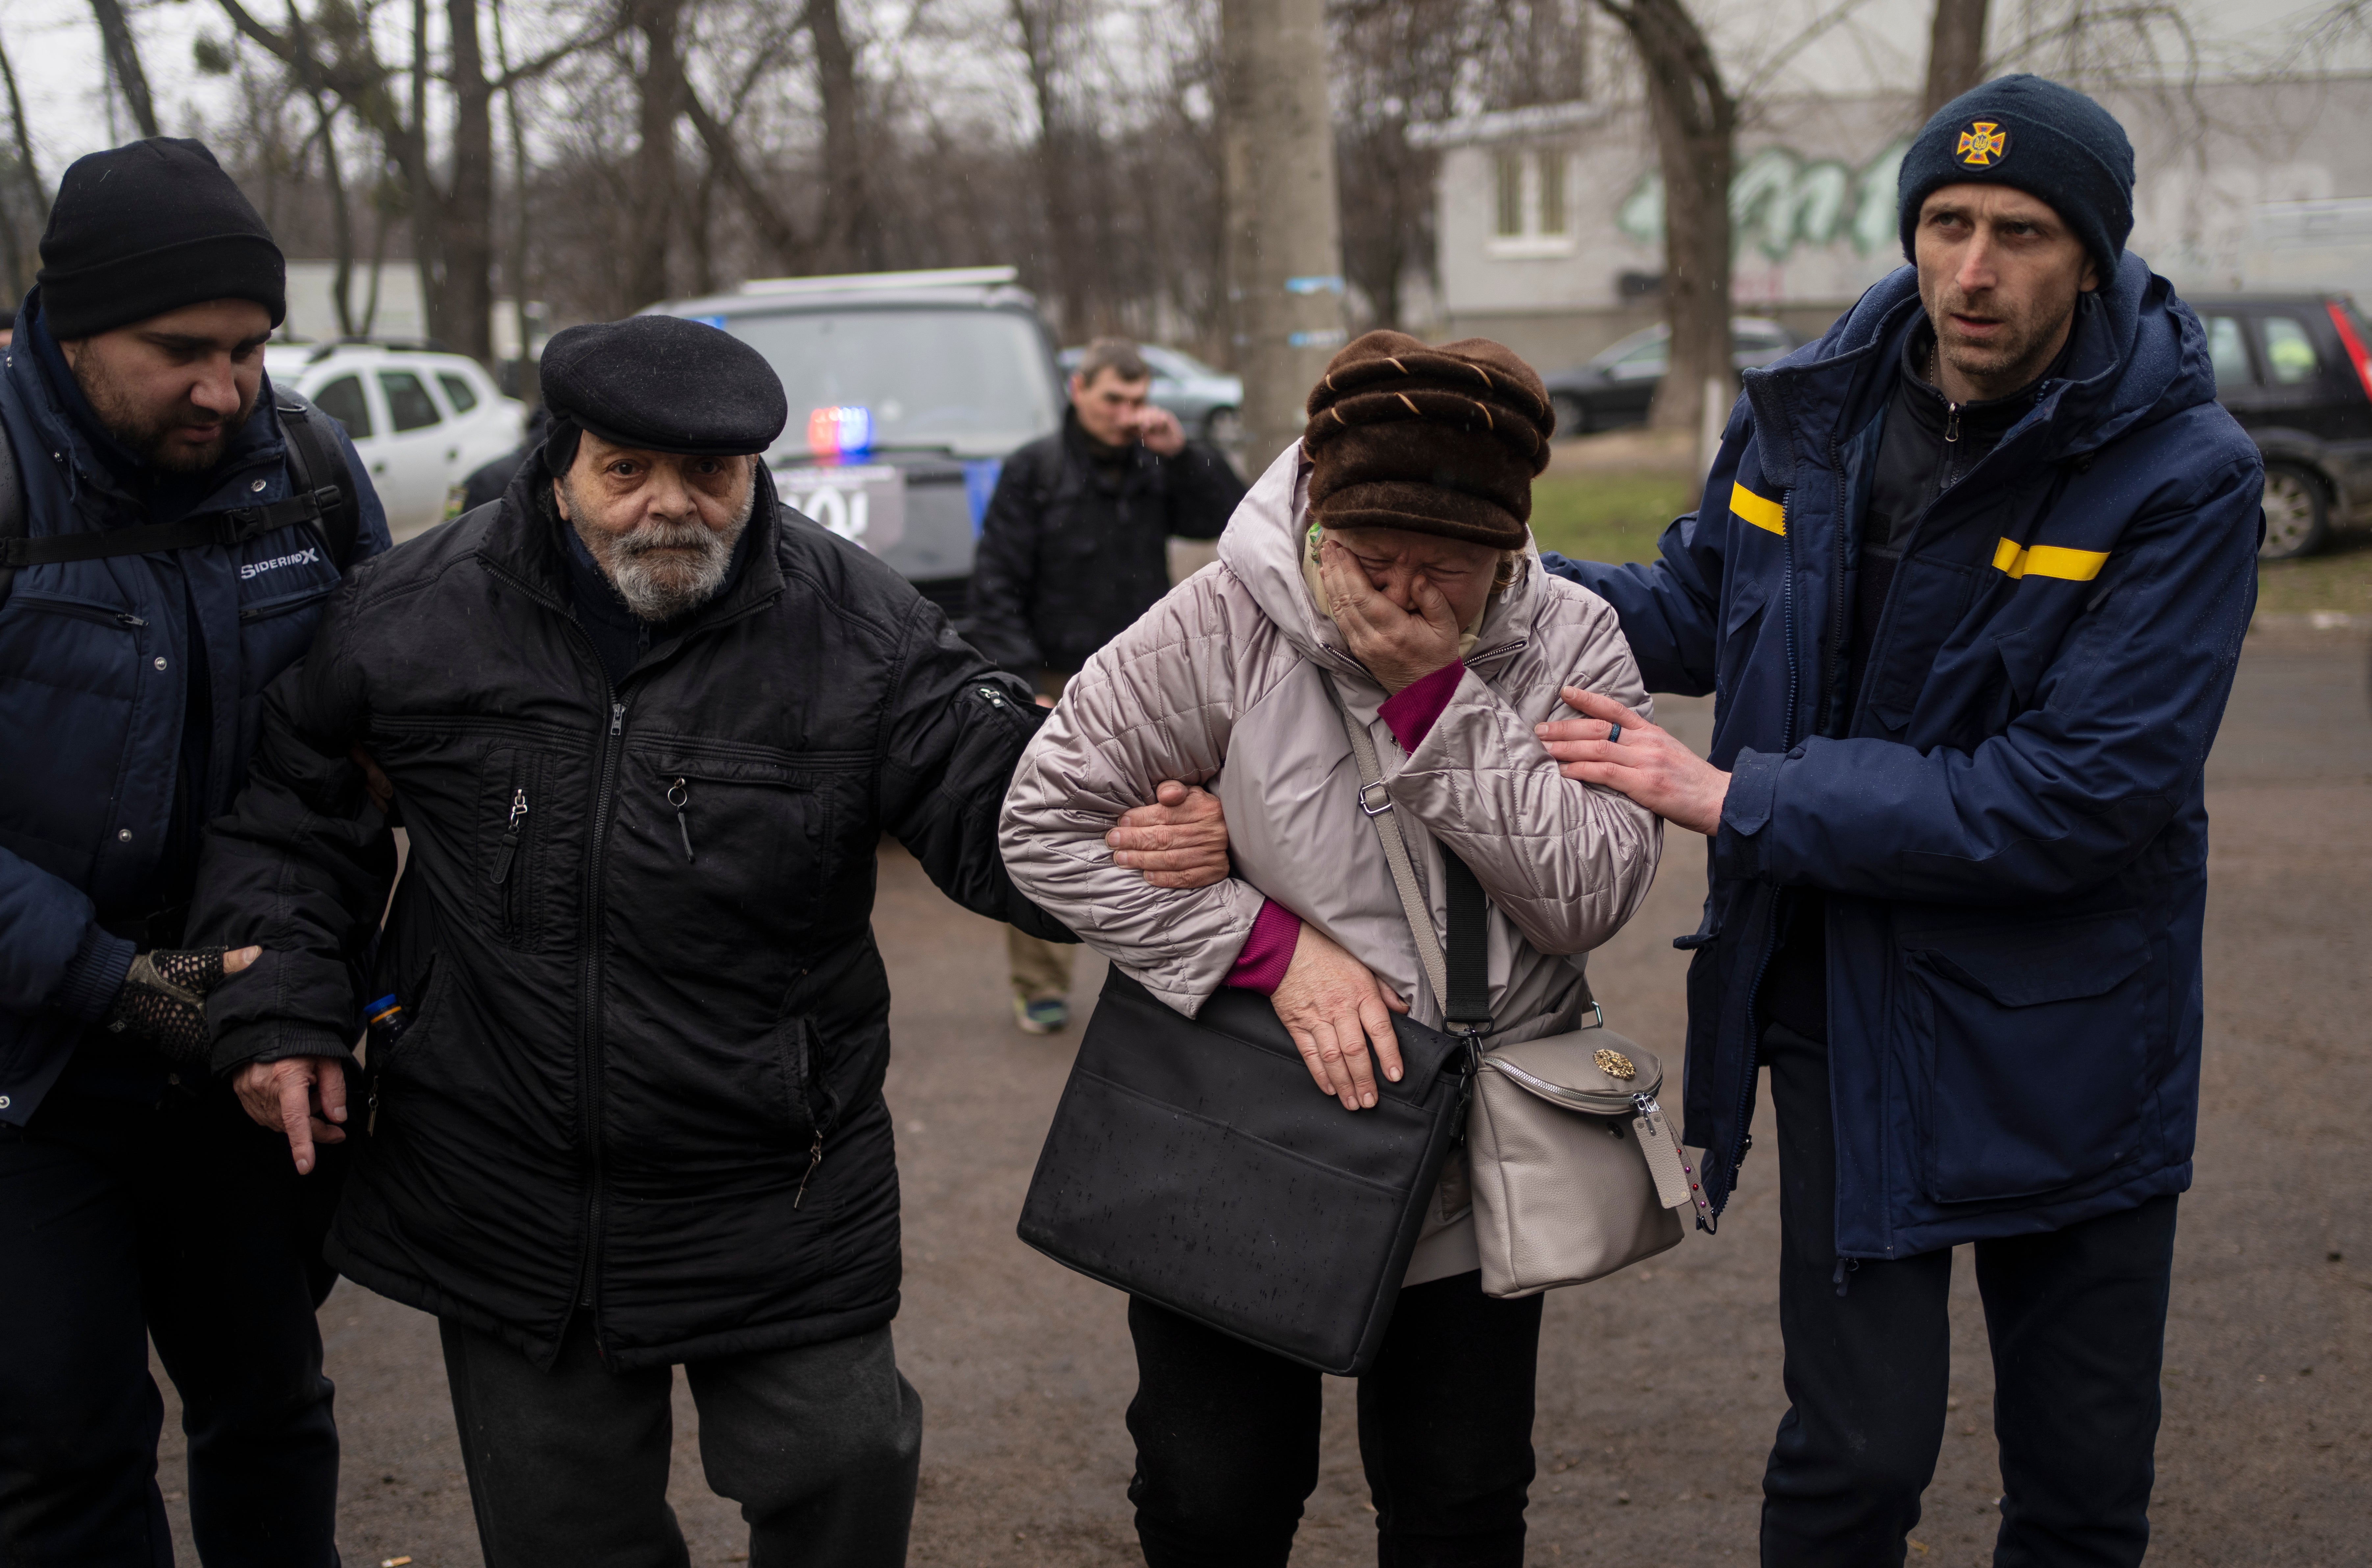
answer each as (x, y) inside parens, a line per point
(644, 728)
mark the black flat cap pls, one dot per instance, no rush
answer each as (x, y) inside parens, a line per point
(664, 384)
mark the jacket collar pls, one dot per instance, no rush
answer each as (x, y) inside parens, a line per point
(2136, 355)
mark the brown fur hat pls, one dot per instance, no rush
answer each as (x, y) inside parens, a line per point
(1433, 439)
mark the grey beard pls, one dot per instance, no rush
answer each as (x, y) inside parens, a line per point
(656, 589)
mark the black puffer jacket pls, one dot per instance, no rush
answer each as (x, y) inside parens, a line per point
(1072, 550)
(634, 1082)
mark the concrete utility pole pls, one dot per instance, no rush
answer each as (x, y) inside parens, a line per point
(1285, 250)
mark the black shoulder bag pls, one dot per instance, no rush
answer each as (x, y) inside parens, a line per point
(1191, 1162)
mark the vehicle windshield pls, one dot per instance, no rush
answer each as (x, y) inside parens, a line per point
(972, 382)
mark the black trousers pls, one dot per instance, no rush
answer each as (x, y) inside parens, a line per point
(2077, 1321)
(1226, 1435)
(186, 1223)
(568, 1469)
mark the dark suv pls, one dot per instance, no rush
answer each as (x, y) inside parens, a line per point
(2295, 371)
(907, 391)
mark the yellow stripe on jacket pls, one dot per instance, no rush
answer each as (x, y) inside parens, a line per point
(2048, 561)
(1763, 512)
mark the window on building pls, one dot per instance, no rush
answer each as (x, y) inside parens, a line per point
(1511, 194)
(1553, 215)
(408, 406)
(342, 399)
(2289, 352)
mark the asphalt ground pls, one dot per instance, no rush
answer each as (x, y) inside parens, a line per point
(1659, 1388)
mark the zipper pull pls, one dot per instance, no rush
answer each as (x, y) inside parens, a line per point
(129, 619)
(617, 718)
(679, 796)
(1952, 421)
(815, 1158)
(510, 838)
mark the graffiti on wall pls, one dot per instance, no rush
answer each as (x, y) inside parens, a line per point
(1780, 201)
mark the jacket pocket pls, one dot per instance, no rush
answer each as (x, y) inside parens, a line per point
(1736, 646)
(2034, 1040)
(712, 832)
(509, 796)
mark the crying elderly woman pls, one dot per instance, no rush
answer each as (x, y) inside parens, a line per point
(1387, 550)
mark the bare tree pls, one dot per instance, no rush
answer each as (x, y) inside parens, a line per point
(23, 253)
(1045, 32)
(659, 98)
(1956, 53)
(452, 215)
(847, 240)
(1695, 121)
(124, 61)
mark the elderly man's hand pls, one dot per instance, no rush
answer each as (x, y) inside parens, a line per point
(1180, 842)
(303, 1096)
(1642, 763)
(1397, 647)
(1332, 1006)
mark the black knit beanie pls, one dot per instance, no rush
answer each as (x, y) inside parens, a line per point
(2046, 140)
(141, 229)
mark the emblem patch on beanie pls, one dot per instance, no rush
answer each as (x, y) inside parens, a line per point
(1982, 144)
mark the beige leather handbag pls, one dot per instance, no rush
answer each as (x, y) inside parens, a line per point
(1576, 1171)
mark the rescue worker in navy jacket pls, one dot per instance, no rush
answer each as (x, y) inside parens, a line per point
(1968, 585)
(162, 566)
(646, 729)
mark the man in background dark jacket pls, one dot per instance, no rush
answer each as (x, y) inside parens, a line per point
(1968, 586)
(646, 729)
(165, 566)
(1075, 546)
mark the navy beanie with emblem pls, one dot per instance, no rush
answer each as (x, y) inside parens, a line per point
(141, 229)
(661, 384)
(2047, 140)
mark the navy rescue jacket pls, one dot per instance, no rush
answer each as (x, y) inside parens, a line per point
(95, 660)
(2009, 825)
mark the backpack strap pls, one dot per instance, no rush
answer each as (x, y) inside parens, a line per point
(236, 525)
(317, 463)
(12, 511)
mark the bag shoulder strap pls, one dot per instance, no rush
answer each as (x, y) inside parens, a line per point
(317, 464)
(13, 507)
(1460, 980)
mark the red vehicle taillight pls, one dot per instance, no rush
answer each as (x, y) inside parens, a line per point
(2353, 342)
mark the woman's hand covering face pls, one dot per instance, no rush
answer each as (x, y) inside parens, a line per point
(1409, 627)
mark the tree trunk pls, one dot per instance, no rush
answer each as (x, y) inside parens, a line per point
(1956, 53)
(342, 221)
(1696, 121)
(27, 257)
(468, 219)
(1284, 255)
(1040, 25)
(124, 58)
(661, 94)
(531, 385)
(848, 242)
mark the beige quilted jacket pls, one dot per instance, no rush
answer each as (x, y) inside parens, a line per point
(1218, 685)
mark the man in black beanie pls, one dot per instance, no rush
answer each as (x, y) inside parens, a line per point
(168, 533)
(1968, 584)
(648, 727)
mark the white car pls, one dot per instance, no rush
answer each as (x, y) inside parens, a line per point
(422, 421)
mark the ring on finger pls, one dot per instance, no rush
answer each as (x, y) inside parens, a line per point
(1614, 733)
